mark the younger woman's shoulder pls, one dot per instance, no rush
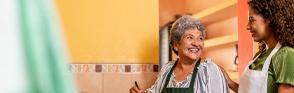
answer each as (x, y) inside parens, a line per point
(287, 49)
(285, 53)
(282, 65)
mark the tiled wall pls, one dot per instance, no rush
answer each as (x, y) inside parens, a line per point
(113, 78)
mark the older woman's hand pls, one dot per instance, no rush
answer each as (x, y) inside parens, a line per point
(134, 89)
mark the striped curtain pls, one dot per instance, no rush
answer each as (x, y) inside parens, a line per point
(40, 48)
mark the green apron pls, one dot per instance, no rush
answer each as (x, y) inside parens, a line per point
(181, 90)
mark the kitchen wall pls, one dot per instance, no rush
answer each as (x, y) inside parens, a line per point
(112, 43)
(111, 31)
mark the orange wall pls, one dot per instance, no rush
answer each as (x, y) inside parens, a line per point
(111, 31)
(245, 42)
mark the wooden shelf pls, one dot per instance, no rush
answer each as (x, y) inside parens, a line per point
(218, 12)
(221, 40)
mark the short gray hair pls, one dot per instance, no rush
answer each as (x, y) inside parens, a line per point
(183, 24)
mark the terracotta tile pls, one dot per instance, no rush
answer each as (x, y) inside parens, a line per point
(127, 68)
(98, 68)
(89, 82)
(145, 80)
(117, 82)
(155, 68)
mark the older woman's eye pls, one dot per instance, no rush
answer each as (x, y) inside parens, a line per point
(201, 38)
(189, 37)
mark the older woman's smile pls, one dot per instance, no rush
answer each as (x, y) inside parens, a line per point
(193, 50)
(193, 53)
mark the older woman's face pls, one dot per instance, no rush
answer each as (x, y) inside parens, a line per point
(191, 44)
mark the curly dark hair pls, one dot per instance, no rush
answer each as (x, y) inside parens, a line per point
(280, 14)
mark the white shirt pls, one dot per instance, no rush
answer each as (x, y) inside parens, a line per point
(209, 79)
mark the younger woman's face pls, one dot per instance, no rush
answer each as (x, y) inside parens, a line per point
(258, 26)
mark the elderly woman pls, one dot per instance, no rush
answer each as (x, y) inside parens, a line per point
(189, 73)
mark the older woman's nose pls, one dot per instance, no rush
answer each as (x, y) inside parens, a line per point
(196, 42)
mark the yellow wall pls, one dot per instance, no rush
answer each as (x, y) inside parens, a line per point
(111, 31)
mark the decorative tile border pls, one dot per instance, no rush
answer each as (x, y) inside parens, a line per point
(114, 68)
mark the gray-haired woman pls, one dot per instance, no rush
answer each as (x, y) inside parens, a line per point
(188, 74)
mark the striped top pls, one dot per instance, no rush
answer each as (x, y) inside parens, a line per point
(209, 79)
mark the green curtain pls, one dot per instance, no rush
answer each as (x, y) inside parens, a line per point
(46, 59)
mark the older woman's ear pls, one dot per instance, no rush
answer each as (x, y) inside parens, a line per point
(176, 49)
(175, 46)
